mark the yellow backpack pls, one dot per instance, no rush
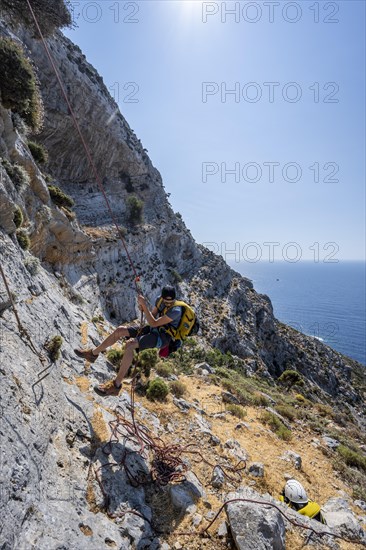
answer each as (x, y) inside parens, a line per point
(311, 510)
(188, 323)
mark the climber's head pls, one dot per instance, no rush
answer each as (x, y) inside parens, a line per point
(168, 294)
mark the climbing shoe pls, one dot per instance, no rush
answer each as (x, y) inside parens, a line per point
(86, 354)
(109, 388)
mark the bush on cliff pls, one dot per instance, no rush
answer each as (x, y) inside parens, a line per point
(147, 360)
(18, 175)
(276, 425)
(177, 388)
(114, 355)
(18, 217)
(38, 151)
(59, 197)
(352, 458)
(291, 378)
(18, 85)
(53, 347)
(157, 390)
(50, 15)
(23, 239)
(134, 210)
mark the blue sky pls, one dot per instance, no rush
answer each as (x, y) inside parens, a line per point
(297, 155)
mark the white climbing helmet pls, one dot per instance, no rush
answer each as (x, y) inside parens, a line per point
(295, 492)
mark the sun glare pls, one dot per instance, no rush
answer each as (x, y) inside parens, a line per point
(188, 8)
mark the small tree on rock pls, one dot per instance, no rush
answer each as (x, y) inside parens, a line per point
(291, 378)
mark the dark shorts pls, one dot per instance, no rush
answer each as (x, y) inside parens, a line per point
(150, 337)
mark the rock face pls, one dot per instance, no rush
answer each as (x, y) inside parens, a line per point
(341, 520)
(87, 250)
(51, 430)
(254, 525)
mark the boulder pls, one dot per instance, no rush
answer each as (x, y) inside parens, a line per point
(185, 495)
(242, 425)
(182, 404)
(222, 530)
(256, 469)
(342, 520)
(214, 440)
(360, 503)
(204, 366)
(228, 397)
(218, 478)
(255, 526)
(236, 450)
(330, 442)
(291, 456)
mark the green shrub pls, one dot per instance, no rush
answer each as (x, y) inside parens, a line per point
(222, 372)
(260, 400)
(23, 239)
(157, 390)
(236, 410)
(271, 420)
(164, 369)
(18, 87)
(147, 360)
(177, 278)
(32, 264)
(283, 433)
(355, 478)
(114, 356)
(300, 399)
(134, 210)
(18, 217)
(177, 388)
(276, 425)
(53, 347)
(48, 178)
(324, 410)
(19, 124)
(352, 458)
(59, 197)
(18, 175)
(286, 411)
(97, 319)
(291, 378)
(38, 151)
(50, 15)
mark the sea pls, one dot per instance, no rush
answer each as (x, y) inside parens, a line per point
(325, 300)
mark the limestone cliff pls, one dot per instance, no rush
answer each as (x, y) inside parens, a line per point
(83, 271)
(88, 253)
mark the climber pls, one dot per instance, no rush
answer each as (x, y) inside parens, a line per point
(153, 335)
(294, 495)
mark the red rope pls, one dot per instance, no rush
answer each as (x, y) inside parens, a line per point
(85, 145)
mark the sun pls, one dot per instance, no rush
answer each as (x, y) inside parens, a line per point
(189, 7)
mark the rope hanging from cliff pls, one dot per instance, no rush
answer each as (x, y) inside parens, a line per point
(85, 146)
